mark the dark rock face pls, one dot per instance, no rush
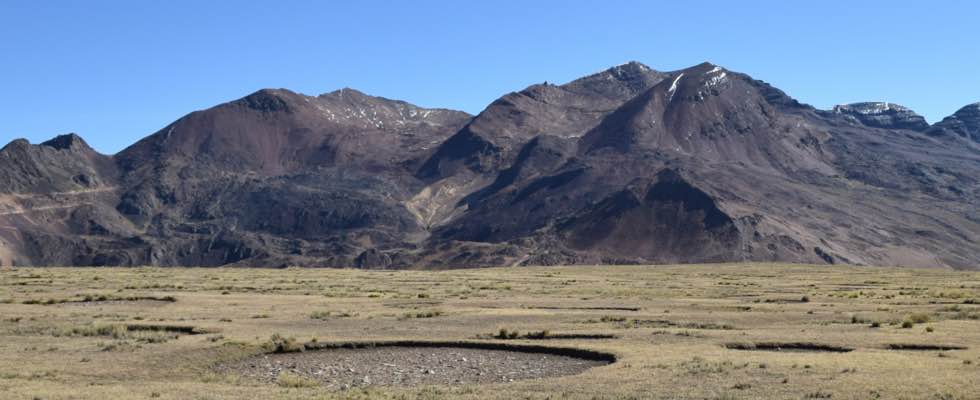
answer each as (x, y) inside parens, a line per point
(65, 163)
(883, 115)
(964, 123)
(628, 165)
(491, 140)
(671, 222)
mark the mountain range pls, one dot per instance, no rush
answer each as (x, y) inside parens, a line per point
(626, 166)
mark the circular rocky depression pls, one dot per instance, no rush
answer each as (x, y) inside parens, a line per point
(414, 364)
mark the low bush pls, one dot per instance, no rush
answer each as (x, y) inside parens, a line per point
(281, 344)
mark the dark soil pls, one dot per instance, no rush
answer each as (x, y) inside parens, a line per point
(141, 302)
(103, 300)
(409, 366)
(544, 335)
(571, 336)
(178, 329)
(585, 308)
(789, 347)
(924, 347)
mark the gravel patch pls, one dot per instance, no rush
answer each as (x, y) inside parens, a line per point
(344, 368)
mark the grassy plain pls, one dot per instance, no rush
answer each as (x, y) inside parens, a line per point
(148, 333)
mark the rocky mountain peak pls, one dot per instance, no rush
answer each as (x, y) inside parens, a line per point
(620, 82)
(883, 115)
(70, 141)
(698, 82)
(269, 100)
(15, 144)
(346, 93)
(688, 109)
(971, 112)
(964, 123)
(629, 70)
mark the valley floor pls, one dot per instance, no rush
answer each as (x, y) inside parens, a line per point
(678, 332)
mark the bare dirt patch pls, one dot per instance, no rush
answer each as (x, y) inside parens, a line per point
(416, 363)
(788, 347)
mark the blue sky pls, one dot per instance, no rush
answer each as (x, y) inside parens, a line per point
(115, 71)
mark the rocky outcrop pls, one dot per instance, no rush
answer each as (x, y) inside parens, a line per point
(965, 123)
(883, 115)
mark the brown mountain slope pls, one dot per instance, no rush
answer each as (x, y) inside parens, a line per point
(491, 139)
(629, 165)
(797, 183)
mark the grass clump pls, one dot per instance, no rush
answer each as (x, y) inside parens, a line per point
(290, 380)
(542, 334)
(113, 331)
(332, 314)
(919, 318)
(912, 319)
(90, 298)
(280, 344)
(422, 314)
(965, 315)
(320, 314)
(507, 334)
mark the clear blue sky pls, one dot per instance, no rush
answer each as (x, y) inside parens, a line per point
(115, 71)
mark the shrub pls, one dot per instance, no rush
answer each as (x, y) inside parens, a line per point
(537, 335)
(919, 318)
(907, 324)
(281, 344)
(320, 314)
(328, 314)
(505, 334)
(422, 314)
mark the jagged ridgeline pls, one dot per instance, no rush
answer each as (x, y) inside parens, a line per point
(628, 165)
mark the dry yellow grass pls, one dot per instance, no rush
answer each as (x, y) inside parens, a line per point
(673, 346)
